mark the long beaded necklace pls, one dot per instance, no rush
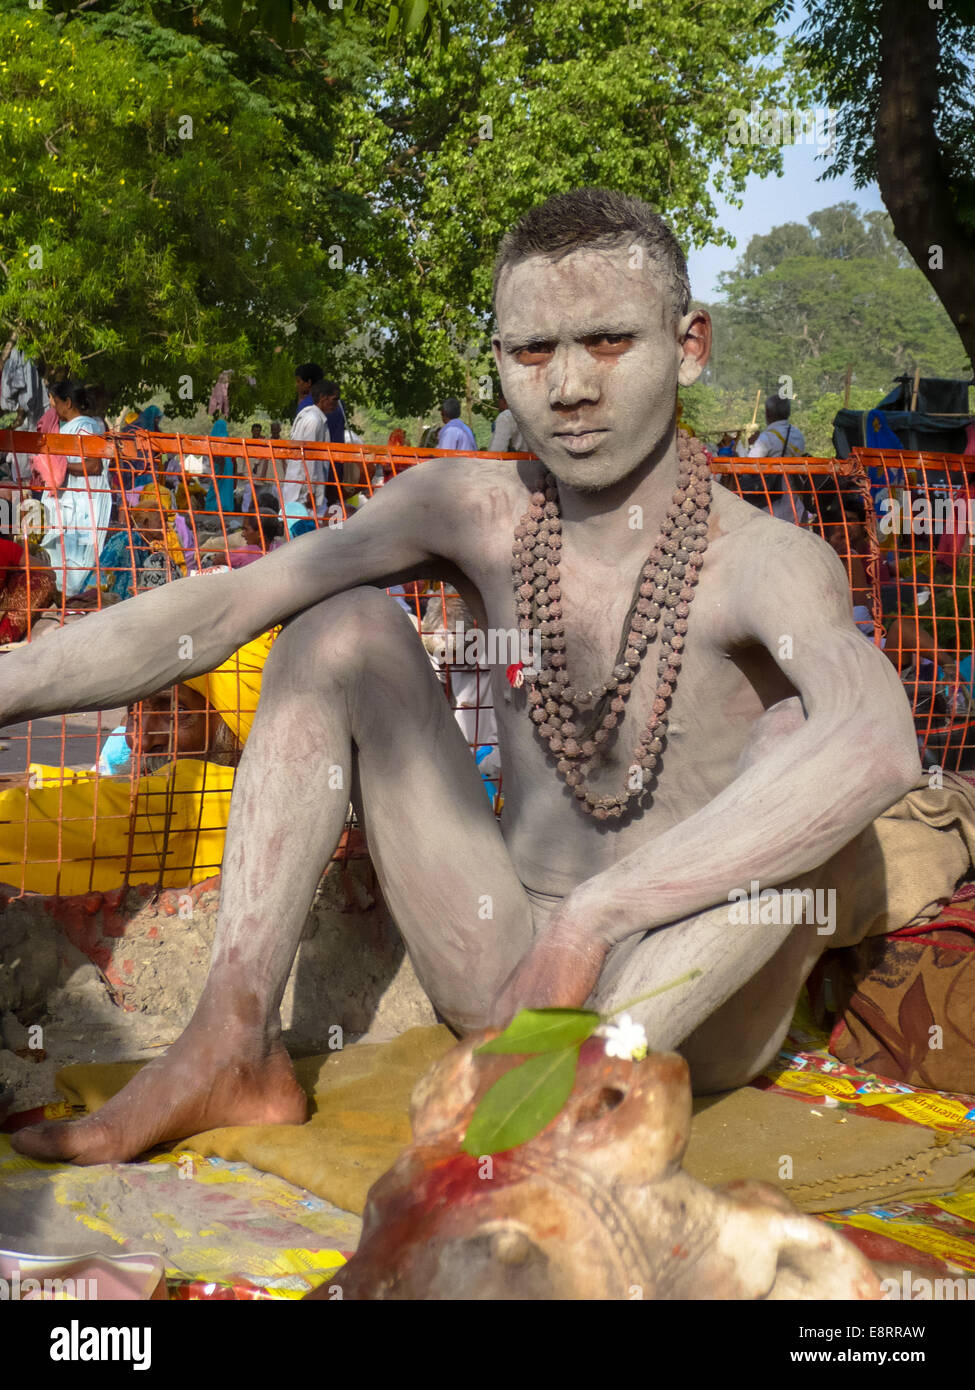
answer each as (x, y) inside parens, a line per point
(662, 604)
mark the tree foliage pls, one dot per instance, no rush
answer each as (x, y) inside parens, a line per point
(338, 198)
(807, 302)
(162, 211)
(901, 76)
(522, 102)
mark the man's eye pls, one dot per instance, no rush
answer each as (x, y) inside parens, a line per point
(609, 342)
(532, 353)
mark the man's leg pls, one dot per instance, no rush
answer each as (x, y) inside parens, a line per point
(731, 1020)
(347, 683)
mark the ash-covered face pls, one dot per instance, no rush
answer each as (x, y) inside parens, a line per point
(184, 729)
(590, 353)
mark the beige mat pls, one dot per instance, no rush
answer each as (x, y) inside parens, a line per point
(823, 1159)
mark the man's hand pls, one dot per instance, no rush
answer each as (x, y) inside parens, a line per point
(559, 971)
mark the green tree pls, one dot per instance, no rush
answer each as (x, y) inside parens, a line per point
(161, 221)
(810, 302)
(338, 200)
(816, 416)
(901, 76)
(522, 101)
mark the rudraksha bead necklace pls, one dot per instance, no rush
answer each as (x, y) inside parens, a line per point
(662, 604)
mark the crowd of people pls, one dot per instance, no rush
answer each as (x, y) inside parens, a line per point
(96, 530)
(87, 530)
(930, 650)
(96, 535)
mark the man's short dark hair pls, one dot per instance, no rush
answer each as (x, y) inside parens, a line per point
(597, 217)
(777, 407)
(331, 388)
(451, 408)
(323, 388)
(269, 523)
(309, 371)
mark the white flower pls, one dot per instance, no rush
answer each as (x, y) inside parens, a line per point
(625, 1039)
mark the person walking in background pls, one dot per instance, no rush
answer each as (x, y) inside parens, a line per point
(275, 428)
(220, 495)
(310, 425)
(334, 413)
(134, 477)
(781, 439)
(76, 509)
(506, 436)
(454, 434)
(253, 468)
(305, 377)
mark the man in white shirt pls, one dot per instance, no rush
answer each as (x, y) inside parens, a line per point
(309, 424)
(454, 434)
(780, 439)
(506, 438)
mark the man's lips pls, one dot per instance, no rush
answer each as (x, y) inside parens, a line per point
(579, 441)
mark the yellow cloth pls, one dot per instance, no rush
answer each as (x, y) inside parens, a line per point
(234, 688)
(358, 1127)
(174, 821)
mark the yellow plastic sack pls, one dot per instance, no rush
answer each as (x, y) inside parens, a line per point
(174, 820)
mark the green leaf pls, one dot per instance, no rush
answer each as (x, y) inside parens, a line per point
(232, 10)
(543, 1030)
(415, 15)
(522, 1103)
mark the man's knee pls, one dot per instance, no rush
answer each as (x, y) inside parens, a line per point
(343, 635)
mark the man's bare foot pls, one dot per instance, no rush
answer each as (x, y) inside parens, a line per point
(187, 1091)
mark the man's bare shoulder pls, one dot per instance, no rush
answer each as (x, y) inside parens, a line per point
(450, 482)
(756, 535)
(771, 571)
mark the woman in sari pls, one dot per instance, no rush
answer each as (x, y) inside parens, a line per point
(148, 556)
(76, 515)
(134, 477)
(27, 586)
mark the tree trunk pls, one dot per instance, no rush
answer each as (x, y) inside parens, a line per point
(910, 170)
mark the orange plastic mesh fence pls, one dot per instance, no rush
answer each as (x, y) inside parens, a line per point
(902, 523)
(109, 516)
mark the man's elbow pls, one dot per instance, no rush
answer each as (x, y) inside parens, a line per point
(895, 763)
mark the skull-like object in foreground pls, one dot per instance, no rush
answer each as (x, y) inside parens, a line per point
(596, 1206)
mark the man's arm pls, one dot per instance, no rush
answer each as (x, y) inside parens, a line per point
(801, 799)
(190, 626)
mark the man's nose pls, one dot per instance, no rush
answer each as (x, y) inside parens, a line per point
(572, 376)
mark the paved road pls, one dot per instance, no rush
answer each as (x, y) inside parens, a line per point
(82, 741)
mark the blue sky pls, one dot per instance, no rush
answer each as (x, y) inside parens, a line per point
(771, 201)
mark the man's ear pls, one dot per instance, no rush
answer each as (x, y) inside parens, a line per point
(694, 337)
